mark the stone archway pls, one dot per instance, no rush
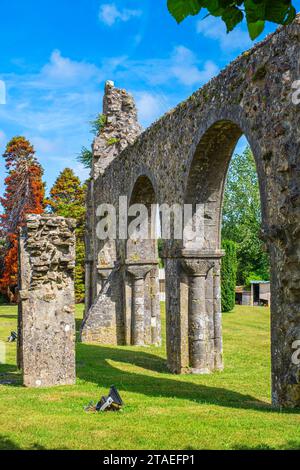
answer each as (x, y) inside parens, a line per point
(143, 323)
(188, 151)
(201, 262)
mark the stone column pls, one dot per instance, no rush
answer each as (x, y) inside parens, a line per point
(218, 334)
(138, 272)
(205, 344)
(46, 339)
(155, 307)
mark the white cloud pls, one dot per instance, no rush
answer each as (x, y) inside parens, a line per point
(185, 67)
(63, 71)
(214, 28)
(110, 14)
(53, 107)
(182, 65)
(150, 106)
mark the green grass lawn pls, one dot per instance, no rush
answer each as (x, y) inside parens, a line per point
(228, 410)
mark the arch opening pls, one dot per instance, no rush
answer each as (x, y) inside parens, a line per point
(201, 275)
(142, 312)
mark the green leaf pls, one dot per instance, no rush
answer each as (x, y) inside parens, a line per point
(255, 29)
(232, 16)
(180, 9)
(280, 11)
(214, 7)
(255, 11)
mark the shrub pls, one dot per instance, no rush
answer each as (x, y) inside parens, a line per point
(228, 275)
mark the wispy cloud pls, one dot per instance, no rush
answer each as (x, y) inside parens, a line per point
(182, 65)
(62, 70)
(186, 68)
(213, 28)
(109, 14)
(150, 105)
(53, 107)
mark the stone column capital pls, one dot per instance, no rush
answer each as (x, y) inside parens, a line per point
(199, 263)
(140, 269)
(105, 271)
(197, 267)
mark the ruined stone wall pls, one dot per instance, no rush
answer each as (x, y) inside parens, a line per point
(120, 127)
(185, 155)
(109, 285)
(46, 348)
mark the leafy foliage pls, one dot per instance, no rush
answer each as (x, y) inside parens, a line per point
(98, 124)
(256, 12)
(85, 157)
(242, 218)
(228, 275)
(24, 194)
(67, 199)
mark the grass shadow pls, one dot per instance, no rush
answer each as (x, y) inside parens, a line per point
(289, 445)
(94, 366)
(8, 444)
(10, 375)
(9, 317)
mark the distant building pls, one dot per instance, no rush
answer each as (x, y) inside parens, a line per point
(242, 296)
(259, 295)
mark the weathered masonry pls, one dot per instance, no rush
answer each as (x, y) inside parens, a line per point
(183, 158)
(46, 332)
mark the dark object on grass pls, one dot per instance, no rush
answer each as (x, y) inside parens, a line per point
(13, 337)
(113, 402)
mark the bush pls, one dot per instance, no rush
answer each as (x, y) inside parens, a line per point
(3, 299)
(228, 275)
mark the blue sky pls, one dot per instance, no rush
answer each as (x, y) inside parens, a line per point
(56, 55)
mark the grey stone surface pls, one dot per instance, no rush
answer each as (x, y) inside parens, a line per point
(46, 339)
(183, 158)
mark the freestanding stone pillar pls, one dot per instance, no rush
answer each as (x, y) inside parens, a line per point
(204, 312)
(138, 272)
(46, 347)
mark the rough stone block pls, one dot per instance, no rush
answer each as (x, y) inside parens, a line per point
(46, 344)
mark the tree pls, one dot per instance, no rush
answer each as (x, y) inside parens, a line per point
(24, 194)
(232, 12)
(242, 218)
(228, 275)
(67, 199)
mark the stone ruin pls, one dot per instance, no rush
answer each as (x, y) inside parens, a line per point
(183, 158)
(46, 330)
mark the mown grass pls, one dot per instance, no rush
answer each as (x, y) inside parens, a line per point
(228, 410)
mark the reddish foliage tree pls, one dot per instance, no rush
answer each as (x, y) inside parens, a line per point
(24, 194)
